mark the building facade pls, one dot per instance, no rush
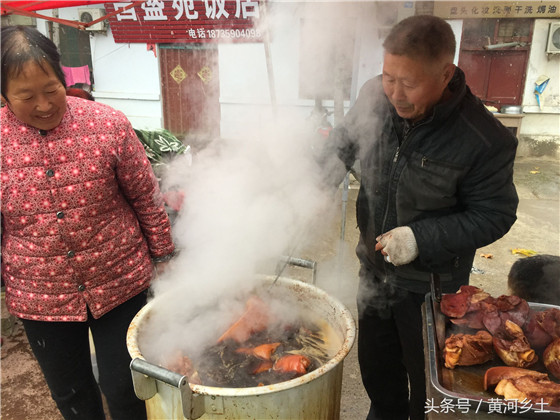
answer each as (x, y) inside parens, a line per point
(286, 58)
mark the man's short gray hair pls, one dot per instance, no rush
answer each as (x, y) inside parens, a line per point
(421, 36)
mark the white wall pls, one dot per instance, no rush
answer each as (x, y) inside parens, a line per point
(127, 78)
(246, 97)
(546, 120)
(250, 80)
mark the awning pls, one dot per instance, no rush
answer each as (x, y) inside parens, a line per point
(29, 8)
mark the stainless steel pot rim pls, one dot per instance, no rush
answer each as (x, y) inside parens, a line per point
(336, 360)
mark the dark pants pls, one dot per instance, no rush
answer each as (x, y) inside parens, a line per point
(63, 352)
(391, 351)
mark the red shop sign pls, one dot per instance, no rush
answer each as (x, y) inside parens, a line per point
(186, 21)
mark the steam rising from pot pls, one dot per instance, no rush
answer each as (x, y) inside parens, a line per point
(246, 203)
(252, 198)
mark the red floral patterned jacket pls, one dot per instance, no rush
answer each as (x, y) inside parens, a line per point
(82, 214)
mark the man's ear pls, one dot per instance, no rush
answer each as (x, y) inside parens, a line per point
(448, 72)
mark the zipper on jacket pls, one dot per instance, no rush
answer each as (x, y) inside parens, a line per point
(396, 157)
(406, 136)
(427, 161)
(388, 200)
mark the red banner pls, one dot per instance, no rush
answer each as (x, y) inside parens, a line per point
(186, 21)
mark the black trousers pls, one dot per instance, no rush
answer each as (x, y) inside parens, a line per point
(391, 350)
(63, 352)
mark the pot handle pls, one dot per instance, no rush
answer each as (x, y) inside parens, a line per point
(298, 262)
(145, 375)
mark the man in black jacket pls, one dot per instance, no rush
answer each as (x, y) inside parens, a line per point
(436, 184)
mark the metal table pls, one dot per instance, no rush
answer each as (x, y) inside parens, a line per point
(448, 404)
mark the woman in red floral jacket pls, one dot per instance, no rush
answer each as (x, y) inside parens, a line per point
(83, 223)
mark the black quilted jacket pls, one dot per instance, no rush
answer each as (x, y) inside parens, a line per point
(449, 177)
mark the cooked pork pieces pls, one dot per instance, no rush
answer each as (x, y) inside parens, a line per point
(468, 349)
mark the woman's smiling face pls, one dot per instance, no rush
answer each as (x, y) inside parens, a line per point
(36, 96)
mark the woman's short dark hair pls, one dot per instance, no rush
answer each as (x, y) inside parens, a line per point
(421, 36)
(21, 44)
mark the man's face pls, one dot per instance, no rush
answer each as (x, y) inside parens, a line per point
(414, 86)
(36, 96)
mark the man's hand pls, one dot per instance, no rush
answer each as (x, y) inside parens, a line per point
(398, 245)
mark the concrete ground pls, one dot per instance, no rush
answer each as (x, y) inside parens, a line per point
(24, 395)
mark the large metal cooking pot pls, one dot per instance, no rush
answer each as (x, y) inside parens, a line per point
(315, 395)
